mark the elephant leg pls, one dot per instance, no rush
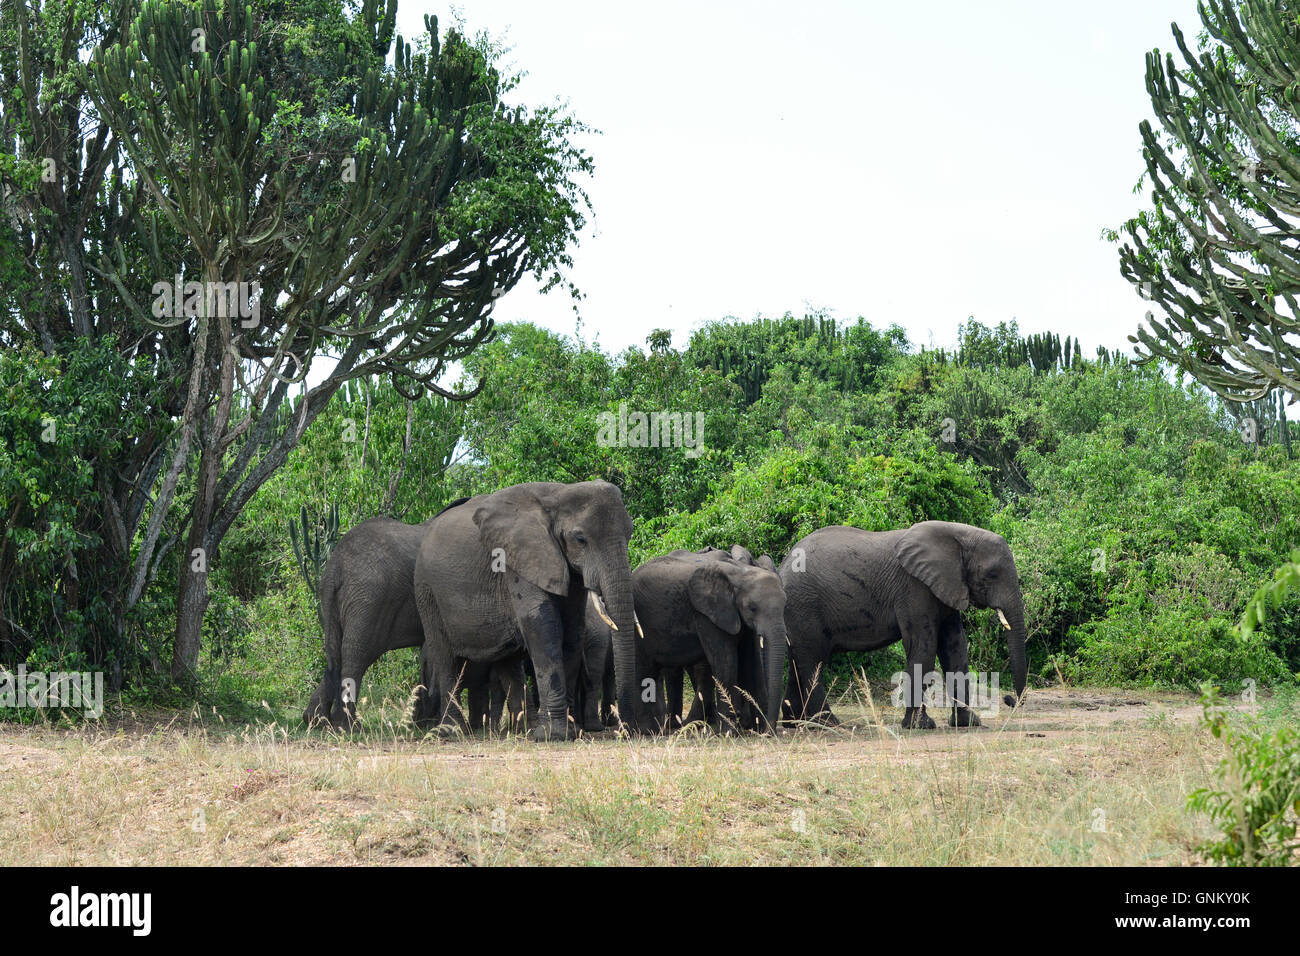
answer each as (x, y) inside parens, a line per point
(608, 691)
(443, 678)
(806, 686)
(595, 650)
(479, 684)
(496, 706)
(954, 660)
(357, 658)
(323, 700)
(703, 696)
(672, 680)
(920, 640)
(531, 700)
(592, 722)
(649, 687)
(724, 663)
(510, 682)
(541, 621)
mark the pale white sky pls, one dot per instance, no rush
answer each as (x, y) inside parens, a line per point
(910, 163)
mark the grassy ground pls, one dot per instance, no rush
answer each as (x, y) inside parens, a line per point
(1093, 777)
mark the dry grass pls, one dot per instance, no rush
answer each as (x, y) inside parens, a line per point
(1094, 777)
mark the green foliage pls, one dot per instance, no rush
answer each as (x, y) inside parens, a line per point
(1140, 519)
(312, 546)
(1257, 804)
(1285, 583)
(769, 505)
(538, 418)
(381, 194)
(1220, 163)
(371, 452)
(849, 357)
(58, 415)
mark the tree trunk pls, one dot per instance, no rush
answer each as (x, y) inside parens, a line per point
(192, 596)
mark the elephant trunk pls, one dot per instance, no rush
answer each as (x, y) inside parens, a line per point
(774, 673)
(1015, 620)
(617, 592)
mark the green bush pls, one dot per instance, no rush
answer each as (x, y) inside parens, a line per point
(769, 505)
(1257, 804)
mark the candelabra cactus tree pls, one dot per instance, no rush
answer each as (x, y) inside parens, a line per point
(235, 189)
(1218, 255)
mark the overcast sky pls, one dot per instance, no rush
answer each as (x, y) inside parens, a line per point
(910, 163)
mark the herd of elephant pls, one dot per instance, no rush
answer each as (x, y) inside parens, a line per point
(534, 579)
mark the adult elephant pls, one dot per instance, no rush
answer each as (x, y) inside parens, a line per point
(366, 607)
(853, 590)
(510, 571)
(705, 607)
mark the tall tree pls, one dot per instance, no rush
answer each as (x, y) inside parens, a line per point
(281, 199)
(1219, 252)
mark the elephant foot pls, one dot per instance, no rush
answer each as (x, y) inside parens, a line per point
(552, 728)
(918, 719)
(592, 722)
(964, 717)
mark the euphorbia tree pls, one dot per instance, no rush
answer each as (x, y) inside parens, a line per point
(299, 196)
(1219, 252)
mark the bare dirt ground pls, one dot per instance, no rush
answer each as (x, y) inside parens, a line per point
(1092, 777)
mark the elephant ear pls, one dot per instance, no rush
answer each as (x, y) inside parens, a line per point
(713, 596)
(931, 553)
(515, 521)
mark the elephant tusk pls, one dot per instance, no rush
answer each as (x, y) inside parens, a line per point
(600, 610)
(762, 645)
(1003, 618)
(639, 633)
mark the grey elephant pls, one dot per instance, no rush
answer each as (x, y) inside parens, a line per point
(853, 590)
(706, 607)
(511, 571)
(367, 608)
(704, 700)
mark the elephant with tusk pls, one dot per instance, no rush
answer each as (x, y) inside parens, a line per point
(510, 572)
(853, 590)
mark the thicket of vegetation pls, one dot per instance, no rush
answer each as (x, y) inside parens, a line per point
(1141, 519)
(152, 466)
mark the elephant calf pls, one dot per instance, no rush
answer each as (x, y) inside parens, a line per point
(705, 607)
(704, 701)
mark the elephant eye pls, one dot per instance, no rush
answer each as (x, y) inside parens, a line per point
(579, 537)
